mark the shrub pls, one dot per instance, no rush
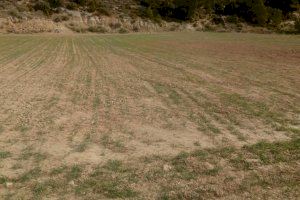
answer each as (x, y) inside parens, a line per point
(115, 25)
(77, 28)
(104, 10)
(136, 29)
(56, 3)
(61, 18)
(297, 25)
(99, 7)
(275, 16)
(259, 12)
(14, 13)
(43, 6)
(232, 19)
(123, 31)
(71, 6)
(97, 29)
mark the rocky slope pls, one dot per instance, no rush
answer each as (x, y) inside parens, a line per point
(118, 16)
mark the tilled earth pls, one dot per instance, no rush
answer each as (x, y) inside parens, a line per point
(149, 116)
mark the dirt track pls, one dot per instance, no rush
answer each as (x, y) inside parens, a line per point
(85, 100)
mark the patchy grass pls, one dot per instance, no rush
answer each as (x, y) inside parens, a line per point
(114, 145)
(116, 179)
(132, 116)
(111, 181)
(74, 172)
(22, 128)
(58, 170)
(276, 152)
(29, 175)
(5, 154)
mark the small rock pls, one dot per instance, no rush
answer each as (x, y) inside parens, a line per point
(9, 184)
(72, 183)
(208, 166)
(167, 167)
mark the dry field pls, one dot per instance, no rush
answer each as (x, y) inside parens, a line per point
(150, 116)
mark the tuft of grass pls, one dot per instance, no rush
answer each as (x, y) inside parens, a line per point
(97, 29)
(200, 154)
(74, 173)
(51, 103)
(84, 144)
(182, 168)
(81, 147)
(47, 187)
(96, 102)
(123, 31)
(22, 128)
(31, 174)
(197, 144)
(276, 152)
(110, 188)
(58, 170)
(240, 163)
(3, 179)
(27, 154)
(112, 180)
(205, 124)
(175, 97)
(16, 166)
(114, 145)
(114, 165)
(213, 172)
(159, 88)
(4, 154)
(38, 157)
(253, 109)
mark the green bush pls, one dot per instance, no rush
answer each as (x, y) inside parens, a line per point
(115, 25)
(56, 3)
(43, 6)
(14, 13)
(275, 16)
(297, 25)
(61, 18)
(123, 31)
(97, 29)
(259, 12)
(232, 19)
(71, 6)
(77, 28)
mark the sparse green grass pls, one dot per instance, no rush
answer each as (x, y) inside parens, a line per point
(115, 178)
(114, 165)
(28, 153)
(5, 154)
(58, 170)
(74, 172)
(22, 128)
(93, 109)
(114, 145)
(29, 175)
(3, 179)
(276, 152)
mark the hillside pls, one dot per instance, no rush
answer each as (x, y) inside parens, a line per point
(122, 16)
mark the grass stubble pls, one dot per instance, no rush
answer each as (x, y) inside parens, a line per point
(162, 116)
